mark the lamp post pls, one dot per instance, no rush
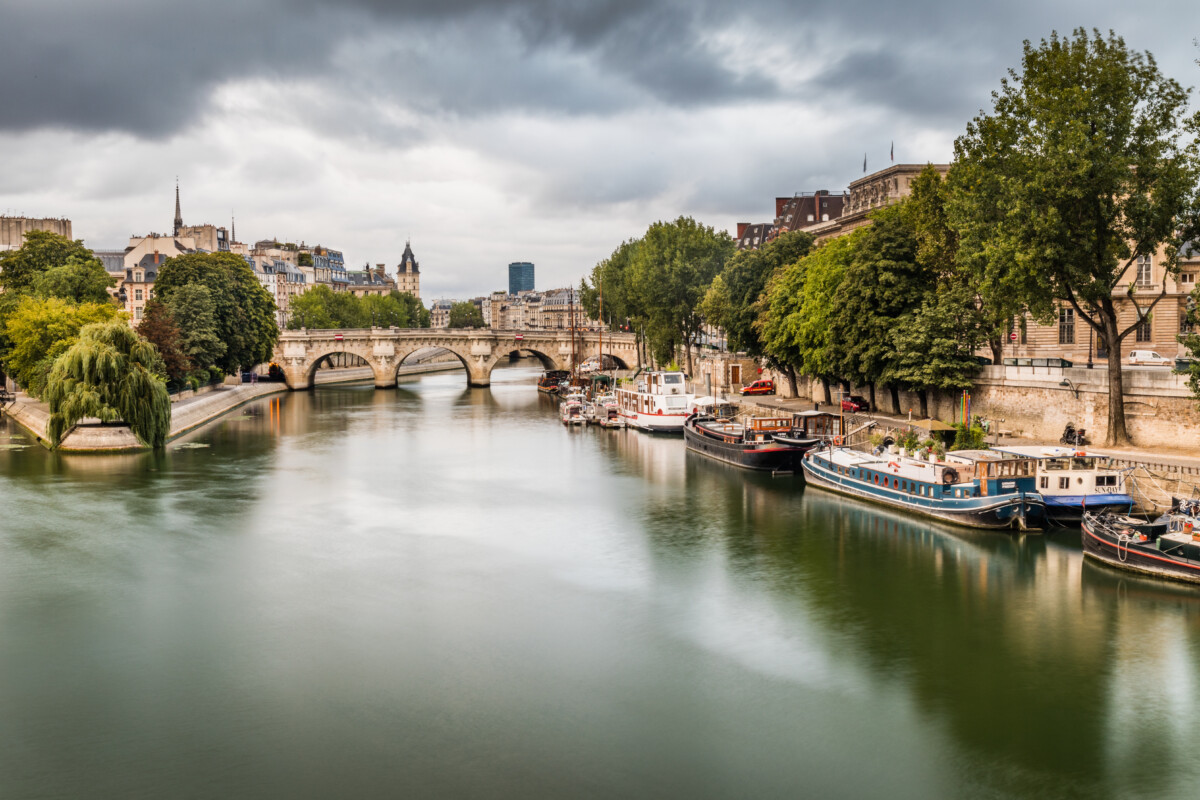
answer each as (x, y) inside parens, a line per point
(1091, 333)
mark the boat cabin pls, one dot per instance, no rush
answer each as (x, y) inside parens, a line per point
(994, 471)
(1071, 471)
(816, 425)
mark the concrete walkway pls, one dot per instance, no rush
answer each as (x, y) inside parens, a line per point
(1186, 458)
(92, 437)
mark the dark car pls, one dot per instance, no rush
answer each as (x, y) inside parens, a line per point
(854, 402)
(763, 386)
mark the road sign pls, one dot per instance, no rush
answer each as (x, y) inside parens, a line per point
(1012, 337)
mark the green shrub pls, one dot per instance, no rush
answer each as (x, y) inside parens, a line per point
(973, 438)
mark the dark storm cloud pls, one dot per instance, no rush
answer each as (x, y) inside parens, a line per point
(150, 68)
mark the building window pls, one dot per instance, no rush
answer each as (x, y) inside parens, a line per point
(1144, 276)
(1143, 330)
(1188, 279)
(137, 277)
(137, 294)
(137, 313)
(1066, 326)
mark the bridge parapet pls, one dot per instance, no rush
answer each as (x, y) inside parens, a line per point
(300, 351)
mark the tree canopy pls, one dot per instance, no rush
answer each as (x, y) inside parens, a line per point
(466, 314)
(1088, 161)
(41, 329)
(322, 308)
(243, 310)
(41, 252)
(81, 280)
(112, 374)
(159, 328)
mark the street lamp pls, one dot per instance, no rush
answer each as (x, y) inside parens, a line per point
(1091, 333)
(1067, 383)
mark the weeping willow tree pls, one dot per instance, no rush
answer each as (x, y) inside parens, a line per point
(111, 374)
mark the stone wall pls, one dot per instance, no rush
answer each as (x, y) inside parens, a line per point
(1032, 403)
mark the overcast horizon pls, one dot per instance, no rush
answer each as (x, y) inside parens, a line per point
(491, 132)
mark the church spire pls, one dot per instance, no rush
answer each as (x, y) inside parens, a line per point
(178, 216)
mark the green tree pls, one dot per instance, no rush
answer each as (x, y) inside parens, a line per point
(466, 314)
(612, 281)
(935, 348)
(40, 252)
(1088, 160)
(243, 310)
(159, 328)
(79, 280)
(195, 313)
(672, 269)
(109, 373)
(882, 282)
(743, 281)
(41, 329)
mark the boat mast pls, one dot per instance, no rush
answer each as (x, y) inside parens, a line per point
(571, 311)
(601, 284)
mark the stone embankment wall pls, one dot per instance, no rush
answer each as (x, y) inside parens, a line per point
(1033, 403)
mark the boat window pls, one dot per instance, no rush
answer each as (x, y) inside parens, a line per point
(1083, 463)
(876, 478)
(1106, 480)
(1044, 482)
(1057, 463)
(1064, 483)
(672, 379)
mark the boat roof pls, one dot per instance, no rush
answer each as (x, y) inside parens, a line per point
(815, 413)
(978, 455)
(1046, 451)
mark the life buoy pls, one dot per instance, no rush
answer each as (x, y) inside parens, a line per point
(949, 476)
(837, 441)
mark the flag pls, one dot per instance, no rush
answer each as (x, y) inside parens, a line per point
(893, 151)
(864, 163)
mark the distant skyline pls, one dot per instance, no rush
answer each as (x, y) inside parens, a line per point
(492, 131)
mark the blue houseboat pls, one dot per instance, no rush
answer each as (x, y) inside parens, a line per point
(1072, 481)
(978, 488)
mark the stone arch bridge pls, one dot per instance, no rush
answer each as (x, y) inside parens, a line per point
(384, 349)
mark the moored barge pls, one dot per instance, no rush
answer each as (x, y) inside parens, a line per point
(976, 488)
(1168, 547)
(751, 445)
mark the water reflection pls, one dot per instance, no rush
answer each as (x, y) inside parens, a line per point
(440, 590)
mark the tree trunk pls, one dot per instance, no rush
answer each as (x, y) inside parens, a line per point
(871, 395)
(997, 345)
(895, 392)
(924, 394)
(689, 358)
(1117, 434)
(791, 374)
(828, 394)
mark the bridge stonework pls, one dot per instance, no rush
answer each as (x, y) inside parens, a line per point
(384, 349)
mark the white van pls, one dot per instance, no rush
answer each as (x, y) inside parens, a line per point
(1150, 358)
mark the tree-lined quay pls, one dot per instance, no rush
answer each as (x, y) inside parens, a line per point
(1085, 168)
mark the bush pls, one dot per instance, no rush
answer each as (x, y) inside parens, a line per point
(215, 374)
(200, 376)
(973, 438)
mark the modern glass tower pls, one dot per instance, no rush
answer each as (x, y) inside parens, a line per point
(520, 277)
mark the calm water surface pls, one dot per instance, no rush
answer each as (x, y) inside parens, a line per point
(440, 591)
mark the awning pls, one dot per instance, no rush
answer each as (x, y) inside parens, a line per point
(931, 425)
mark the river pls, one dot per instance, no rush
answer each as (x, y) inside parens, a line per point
(439, 591)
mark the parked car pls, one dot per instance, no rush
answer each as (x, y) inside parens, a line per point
(763, 386)
(1149, 358)
(854, 402)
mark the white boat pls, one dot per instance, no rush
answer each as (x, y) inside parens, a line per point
(1071, 480)
(659, 402)
(603, 411)
(570, 410)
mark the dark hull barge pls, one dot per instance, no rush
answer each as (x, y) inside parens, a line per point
(750, 446)
(1165, 548)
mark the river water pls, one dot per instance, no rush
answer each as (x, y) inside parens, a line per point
(441, 592)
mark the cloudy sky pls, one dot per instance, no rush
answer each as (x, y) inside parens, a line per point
(491, 131)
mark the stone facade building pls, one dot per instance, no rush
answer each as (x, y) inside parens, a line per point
(408, 273)
(13, 229)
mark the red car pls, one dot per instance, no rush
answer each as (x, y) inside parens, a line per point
(760, 387)
(855, 403)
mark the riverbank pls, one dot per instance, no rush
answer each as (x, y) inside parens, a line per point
(188, 414)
